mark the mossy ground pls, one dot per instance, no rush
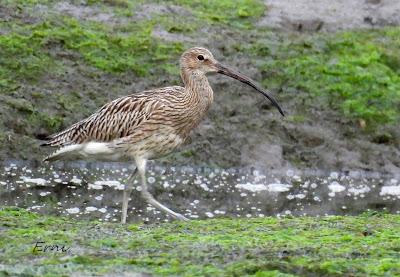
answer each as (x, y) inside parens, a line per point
(40, 51)
(366, 245)
(355, 72)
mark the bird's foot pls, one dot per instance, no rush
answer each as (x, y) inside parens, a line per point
(180, 217)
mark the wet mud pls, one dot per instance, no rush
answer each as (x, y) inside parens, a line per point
(325, 15)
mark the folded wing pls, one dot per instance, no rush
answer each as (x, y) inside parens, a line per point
(117, 119)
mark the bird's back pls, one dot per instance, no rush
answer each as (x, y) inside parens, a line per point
(129, 119)
(118, 118)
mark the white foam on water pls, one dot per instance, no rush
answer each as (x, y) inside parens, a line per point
(296, 178)
(298, 196)
(111, 183)
(204, 187)
(361, 190)
(37, 181)
(94, 186)
(313, 185)
(334, 175)
(390, 190)
(336, 187)
(278, 187)
(166, 184)
(252, 187)
(76, 180)
(34, 207)
(90, 209)
(209, 214)
(72, 210)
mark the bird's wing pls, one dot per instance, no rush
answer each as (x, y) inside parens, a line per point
(117, 119)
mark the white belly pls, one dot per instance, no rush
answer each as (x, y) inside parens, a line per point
(101, 151)
(154, 146)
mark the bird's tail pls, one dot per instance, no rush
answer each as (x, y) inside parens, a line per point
(63, 153)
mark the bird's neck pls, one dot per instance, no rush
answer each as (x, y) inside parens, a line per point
(198, 89)
(196, 100)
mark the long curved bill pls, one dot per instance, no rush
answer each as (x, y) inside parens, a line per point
(244, 79)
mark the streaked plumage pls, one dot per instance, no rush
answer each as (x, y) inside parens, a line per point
(135, 123)
(146, 125)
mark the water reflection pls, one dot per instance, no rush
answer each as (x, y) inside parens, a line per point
(94, 190)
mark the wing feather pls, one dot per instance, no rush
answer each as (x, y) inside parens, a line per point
(117, 119)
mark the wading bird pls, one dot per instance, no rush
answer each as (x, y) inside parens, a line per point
(149, 124)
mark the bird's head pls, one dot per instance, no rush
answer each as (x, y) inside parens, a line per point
(199, 59)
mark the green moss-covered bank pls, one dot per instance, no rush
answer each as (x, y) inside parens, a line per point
(367, 245)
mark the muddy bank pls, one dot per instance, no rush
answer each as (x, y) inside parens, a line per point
(241, 130)
(326, 15)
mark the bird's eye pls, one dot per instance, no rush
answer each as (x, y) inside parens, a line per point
(200, 57)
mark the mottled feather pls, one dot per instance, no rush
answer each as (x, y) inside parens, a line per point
(119, 118)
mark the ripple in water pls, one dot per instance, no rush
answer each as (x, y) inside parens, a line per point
(83, 190)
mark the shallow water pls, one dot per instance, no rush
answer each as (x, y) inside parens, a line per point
(94, 190)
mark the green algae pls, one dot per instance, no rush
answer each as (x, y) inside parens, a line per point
(31, 53)
(355, 72)
(21, 59)
(26, 50)
(368, 244)
(111, 52)
(238, 14)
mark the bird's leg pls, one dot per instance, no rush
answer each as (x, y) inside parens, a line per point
(127, 192)
(141, 164)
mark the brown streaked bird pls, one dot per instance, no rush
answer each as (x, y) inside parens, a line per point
(147, 125)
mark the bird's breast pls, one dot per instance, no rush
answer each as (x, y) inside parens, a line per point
(160, 143)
